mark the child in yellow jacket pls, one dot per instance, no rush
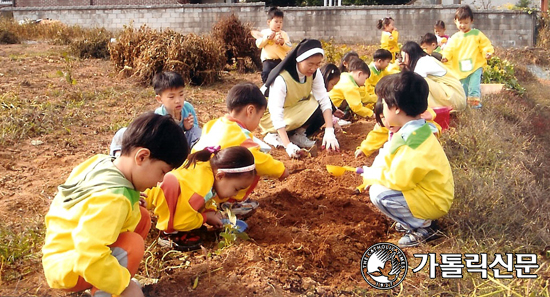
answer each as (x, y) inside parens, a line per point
(378, 69)
(246, 105)
(349, 93)
(95, 228)
(181, 201)
(390, 36)
(466, 53)
(414, 184)
(274, 42)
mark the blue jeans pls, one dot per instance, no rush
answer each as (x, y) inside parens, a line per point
(471, 84)
(393, 204)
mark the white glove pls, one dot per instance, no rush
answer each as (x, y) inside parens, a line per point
(292, 150)
(329, 140)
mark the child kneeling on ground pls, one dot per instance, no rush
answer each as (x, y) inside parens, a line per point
(183, 202)
(95, 228)
(414, 184)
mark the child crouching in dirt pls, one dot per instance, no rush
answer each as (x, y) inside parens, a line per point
(414, 184)
(95, 228)
(183, 202)
(246, 105)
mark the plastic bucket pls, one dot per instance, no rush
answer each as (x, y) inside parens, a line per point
(443, 116)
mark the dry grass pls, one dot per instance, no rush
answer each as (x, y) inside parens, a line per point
(240, 46)
(501, 182)
(142, 53)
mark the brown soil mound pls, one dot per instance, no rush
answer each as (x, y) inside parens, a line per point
(307, 236)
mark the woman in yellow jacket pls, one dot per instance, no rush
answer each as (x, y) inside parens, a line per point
(185, 199)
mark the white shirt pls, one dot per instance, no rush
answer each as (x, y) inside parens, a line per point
(428, 65)
(277, 97)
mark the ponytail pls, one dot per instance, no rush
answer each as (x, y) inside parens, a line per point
(233, 161)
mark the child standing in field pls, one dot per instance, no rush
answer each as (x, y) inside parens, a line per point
(246, 105)
(95, 228)
(169, 87)
(349, 93)
(414, 185)
(439, 30)
(274, 42)
(428, 43)
(390, 36)
(183, 202)
(467, 52)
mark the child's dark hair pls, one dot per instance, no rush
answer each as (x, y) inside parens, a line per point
(230, 157)
(161, 135)
(464, 12)
(406, 90)
(329, 72)
(381, 23)
(379, 112)
(414, 51)
(244, 94)
(382, 54)
(429, 38)
(356, 64)
(167, 80)
(439, 24)
(345, 59)
(274, 12)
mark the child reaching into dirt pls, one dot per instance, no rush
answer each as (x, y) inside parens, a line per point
(95, 228)
(274, 42)
(344, 63)
(349, 93)
(414, 185)
(381, 59)
(466, 53)
(428, 43)
(331, 76)
(246, 105)
(183, 202)
(169, 90)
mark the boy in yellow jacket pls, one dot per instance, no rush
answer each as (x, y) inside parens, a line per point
(467, 52)
(246, 105)
(378, 69)
(414, 183)
(349, 94)
(95, 228)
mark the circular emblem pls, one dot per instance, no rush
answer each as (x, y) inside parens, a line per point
(384, 266)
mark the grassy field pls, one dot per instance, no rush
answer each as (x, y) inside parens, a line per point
(498, 155)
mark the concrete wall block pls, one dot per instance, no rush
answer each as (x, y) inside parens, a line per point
(353, 24)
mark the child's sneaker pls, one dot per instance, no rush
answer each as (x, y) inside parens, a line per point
(419, 235)
(474, 102)
(400, 228)
(243, 209)
(181, 241)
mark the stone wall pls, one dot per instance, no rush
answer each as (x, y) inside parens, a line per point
(346, 24)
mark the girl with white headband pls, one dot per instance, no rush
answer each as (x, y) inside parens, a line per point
(184, 200)
(298, 104)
